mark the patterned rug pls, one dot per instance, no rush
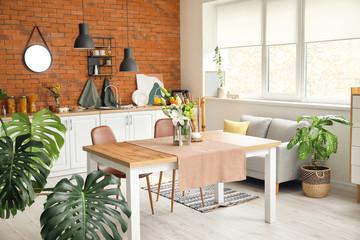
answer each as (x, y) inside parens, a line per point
(192, 197)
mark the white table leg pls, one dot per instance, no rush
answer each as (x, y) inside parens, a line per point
(270, 186)
(132, 198)
(219, 192)
(91, 164)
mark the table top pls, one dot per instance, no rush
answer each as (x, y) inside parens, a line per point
(130, 155)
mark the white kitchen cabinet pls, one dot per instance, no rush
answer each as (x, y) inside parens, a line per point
(72, 158)
(129, 126)
(355, 139)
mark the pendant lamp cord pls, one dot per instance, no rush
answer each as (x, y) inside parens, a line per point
(127, 22)
(83, 11)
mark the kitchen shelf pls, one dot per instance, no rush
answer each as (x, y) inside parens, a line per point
(103, 69)
(102, 75)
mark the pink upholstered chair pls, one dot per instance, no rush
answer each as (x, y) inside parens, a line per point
(104, 135)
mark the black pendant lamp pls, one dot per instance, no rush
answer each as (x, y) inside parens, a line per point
(84, 41)
(128, 64)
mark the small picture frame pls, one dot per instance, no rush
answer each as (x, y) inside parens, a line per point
(212, 83)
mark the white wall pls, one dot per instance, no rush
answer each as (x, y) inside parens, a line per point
(191, 35)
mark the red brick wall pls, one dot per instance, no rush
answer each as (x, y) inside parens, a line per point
(154, 27)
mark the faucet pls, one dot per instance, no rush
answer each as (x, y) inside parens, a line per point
(117, 103)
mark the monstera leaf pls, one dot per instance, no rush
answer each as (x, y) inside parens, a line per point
(45, 126)
(17, 163)
(78, 210)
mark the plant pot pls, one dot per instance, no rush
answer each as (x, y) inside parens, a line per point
(315, 183)
(221, 92)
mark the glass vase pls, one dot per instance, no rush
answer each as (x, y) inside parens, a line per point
(57, 104)
(182, 134)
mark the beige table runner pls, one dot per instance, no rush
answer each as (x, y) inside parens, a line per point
(202, 164)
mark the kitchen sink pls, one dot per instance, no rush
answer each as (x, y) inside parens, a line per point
(130, 106)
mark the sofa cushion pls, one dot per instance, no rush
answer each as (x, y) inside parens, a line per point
(258, 125)
(235, 127)
(283, 130)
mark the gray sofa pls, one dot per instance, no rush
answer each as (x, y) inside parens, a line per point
(287, 161)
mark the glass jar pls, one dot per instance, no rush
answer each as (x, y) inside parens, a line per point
(182, 134)
(11, 104)
(22, 103)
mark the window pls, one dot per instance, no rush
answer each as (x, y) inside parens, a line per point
(243, 63)
(307, 50)
(332, 69)
(282, 69)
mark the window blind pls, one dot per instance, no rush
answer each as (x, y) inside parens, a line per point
(239, 24)
(281, 21)
(331, 20)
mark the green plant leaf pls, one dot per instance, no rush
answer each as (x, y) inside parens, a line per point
(2, 94)
(331, 142)
(339, 119)
(313, 133)
(16, 164)
(307, 117)
(304, 150)
(295, 139)
(78, 210)
(45, 126)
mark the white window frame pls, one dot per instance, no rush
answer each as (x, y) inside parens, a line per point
(300, 74)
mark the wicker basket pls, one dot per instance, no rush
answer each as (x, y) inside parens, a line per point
(316, 183)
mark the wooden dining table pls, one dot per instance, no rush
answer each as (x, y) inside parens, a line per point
(134, 160)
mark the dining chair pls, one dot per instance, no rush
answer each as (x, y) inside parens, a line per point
(104, 135)
(164, 128)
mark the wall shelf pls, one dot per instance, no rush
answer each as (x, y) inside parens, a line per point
(104, 69)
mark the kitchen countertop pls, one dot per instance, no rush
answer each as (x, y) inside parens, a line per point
(92, 111)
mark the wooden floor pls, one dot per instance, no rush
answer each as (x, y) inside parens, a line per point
(298, 217)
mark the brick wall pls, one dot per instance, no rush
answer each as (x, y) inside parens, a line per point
(154, 28)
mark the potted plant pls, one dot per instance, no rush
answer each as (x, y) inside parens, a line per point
(54, 92)
(319, 143)
(221, 93)
(75, 209)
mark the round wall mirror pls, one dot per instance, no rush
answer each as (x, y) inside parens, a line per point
(38, 58)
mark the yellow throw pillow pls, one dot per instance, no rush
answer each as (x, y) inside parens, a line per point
(236, 127)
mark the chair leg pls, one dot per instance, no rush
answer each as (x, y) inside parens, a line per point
(150, 197)
(173, 190)
(158, 192)
(277, 188)
(202, 196)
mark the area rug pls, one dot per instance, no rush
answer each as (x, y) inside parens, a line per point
(192, 197)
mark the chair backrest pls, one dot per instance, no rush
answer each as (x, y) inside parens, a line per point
(102, 135)
(163, 128)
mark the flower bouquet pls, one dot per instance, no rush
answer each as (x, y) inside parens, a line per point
(180, 112)
(54, 92)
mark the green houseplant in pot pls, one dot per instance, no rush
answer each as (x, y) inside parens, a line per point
(221, 93)
(319, 143)
(75, 209)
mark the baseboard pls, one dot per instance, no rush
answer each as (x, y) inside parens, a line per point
(345, 186)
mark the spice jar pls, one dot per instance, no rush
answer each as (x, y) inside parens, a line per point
(22, 102)
(31, 102)
(11, 104)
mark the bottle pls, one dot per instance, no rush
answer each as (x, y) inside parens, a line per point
(4, 110)
(11, 104)
(108, 52)
(96, 71)
(23, 105)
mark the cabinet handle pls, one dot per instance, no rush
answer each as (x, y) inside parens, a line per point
(70, 124)
(131, 118)
(126, 120)
(66, 124)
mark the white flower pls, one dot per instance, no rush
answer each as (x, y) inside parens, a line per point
(177, 116)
